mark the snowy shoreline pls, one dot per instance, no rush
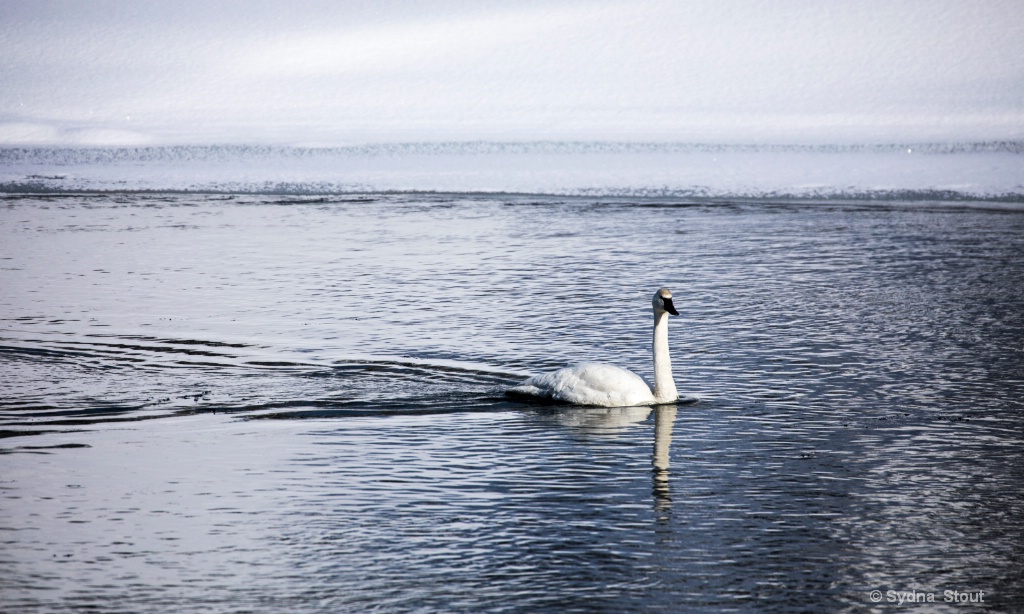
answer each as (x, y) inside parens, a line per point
(990, 171)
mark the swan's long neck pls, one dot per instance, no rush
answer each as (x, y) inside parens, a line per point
(664, 385)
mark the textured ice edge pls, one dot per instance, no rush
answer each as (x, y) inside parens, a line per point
(992, 171)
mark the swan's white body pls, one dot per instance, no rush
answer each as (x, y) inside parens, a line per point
(610, 386)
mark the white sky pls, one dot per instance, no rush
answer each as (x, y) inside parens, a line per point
(331, 73)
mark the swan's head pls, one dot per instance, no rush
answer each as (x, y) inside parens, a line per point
(663, 302)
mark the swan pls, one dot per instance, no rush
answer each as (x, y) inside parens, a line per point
(610, 386)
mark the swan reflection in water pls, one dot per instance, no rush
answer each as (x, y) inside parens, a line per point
(611, 422)
(664, 416)
(602, 421)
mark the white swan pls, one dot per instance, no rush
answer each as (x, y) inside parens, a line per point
(610, 386)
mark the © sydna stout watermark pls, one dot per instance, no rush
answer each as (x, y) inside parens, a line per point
(915, 596)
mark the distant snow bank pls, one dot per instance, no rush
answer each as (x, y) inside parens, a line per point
(958, 171)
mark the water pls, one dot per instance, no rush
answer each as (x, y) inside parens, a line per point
(267, 403)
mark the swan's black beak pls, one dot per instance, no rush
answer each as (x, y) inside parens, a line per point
(669, 307)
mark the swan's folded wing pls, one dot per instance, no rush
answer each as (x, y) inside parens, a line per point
(589, 384)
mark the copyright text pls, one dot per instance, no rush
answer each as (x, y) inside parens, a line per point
(914, 596)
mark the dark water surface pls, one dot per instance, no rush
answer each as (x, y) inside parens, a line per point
(220, 404)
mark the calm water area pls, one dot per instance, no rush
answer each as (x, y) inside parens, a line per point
(252, 403)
